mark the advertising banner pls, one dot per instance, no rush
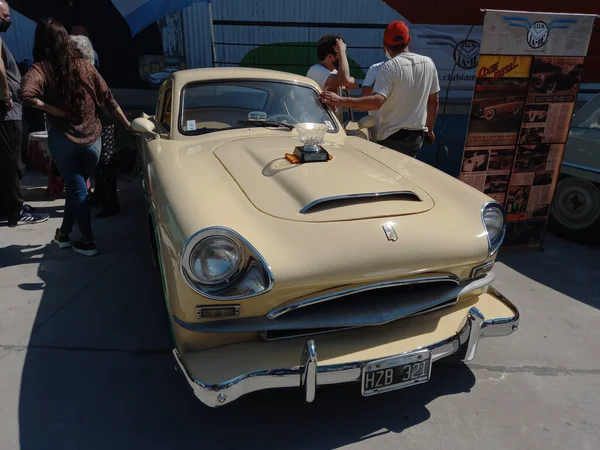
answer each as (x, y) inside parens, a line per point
(526, 85)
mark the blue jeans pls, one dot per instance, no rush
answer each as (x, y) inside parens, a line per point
(76, 163)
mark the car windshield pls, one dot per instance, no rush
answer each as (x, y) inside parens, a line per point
(216, 106)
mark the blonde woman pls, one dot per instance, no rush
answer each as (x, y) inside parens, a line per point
(105, 191)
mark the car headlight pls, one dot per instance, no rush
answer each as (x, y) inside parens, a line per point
(220, 264)
(214, 259)
(494, 222)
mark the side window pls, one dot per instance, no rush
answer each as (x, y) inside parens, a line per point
(165, 113)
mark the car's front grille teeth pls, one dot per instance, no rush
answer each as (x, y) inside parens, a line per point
(352, 307)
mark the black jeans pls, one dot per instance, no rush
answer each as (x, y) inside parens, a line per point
(11, 168)
(408, 142)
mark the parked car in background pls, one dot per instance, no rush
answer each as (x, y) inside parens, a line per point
(575, 212)
(293, 254)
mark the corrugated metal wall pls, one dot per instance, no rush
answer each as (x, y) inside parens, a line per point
(234, 41)
(237, 40)
(196, 26)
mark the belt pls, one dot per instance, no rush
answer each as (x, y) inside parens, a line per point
(402, 133)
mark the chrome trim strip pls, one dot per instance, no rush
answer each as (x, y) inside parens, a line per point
(309, 374)
(582, 167)
(384, 312)
(275, 313)
(187, 247)
(493, 251)
(354, 196)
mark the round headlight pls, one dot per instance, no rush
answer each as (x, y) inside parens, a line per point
(215, 259)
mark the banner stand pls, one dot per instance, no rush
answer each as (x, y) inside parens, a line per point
(527, 81)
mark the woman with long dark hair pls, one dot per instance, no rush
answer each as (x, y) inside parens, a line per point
(72, 93)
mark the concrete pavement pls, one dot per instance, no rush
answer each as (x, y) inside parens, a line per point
(85, 362)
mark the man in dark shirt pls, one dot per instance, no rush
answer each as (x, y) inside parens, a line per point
(11, 136)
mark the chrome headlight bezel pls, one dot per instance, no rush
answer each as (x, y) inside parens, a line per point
(495, 242)
(251, 263)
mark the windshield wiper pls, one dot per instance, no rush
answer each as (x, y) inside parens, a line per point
(265, 123)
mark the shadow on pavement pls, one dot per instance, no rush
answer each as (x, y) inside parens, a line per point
(99, 373)
(564, 266)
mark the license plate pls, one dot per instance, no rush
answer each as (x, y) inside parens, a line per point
(396, 372)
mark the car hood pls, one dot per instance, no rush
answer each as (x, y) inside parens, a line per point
(351, 186)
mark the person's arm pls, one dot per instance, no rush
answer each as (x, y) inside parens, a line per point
(32, 91)
(5, 96)
(432, 105)
(368, 82)
(369, 103)
(432, 112)
(343, 76)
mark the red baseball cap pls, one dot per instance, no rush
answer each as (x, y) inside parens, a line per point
(396, 33)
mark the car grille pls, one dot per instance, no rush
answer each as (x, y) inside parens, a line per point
(371, 305)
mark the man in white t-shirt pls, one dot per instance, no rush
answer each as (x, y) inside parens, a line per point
(367, 89)
(406, 94)
(333, 69)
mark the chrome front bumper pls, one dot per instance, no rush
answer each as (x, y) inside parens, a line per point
(308, 374)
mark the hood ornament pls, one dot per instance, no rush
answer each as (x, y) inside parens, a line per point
(311, 135)
(390, 231)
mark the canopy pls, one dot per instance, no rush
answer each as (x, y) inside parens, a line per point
(140, 13)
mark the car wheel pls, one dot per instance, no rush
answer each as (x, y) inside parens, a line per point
(550, 87)
(490, 114)
(575, 212)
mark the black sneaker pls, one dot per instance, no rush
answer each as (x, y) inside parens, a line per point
(85, 248)
(61, 240)
(28, 216)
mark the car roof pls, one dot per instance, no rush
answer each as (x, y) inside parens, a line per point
(183, 77)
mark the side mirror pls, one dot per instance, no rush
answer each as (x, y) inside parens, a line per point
(142, 125)
(367, 122)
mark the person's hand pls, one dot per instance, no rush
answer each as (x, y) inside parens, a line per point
(330, 98)
(9, 104)
(340, 46)
(129, 128)
(430, 138)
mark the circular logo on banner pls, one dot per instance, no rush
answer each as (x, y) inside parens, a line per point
(537, 34)
(466, 54)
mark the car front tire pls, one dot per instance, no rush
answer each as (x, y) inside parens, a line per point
(575, 213)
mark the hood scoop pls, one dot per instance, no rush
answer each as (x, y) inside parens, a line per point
(350, 186)
(341, 201)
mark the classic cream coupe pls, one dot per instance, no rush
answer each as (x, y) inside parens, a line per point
(294, 252)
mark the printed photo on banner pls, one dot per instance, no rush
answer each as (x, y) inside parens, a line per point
(533, 180)
(488, 170)
(498, 100)
(555, 79)
(501, 160)
(546, 123)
